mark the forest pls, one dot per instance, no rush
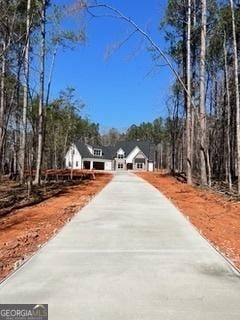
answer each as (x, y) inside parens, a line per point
(200, 137)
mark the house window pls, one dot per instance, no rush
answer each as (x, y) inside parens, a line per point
(98, 152)
(76, 163)
(69, 163)
(139, 165)
(120, 156)
(120, 165)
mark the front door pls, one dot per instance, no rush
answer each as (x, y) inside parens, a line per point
(129, 166)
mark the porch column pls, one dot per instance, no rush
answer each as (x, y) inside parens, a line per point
(91, 165)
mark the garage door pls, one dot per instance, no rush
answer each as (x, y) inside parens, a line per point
(86, 165)
(98, 165)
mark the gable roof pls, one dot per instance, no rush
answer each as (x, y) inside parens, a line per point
(83, 149)
(109, 152)
(145, 146)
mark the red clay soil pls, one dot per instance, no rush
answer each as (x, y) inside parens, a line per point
(217, 218)
(24, 231)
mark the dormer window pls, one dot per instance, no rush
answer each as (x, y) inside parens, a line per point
(97, 152)
(120, 154)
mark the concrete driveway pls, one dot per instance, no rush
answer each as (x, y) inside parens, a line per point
(129, 254)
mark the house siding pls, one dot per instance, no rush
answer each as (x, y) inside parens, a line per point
(73, 158)
(133, 157)
(108, 165)
(151, 166)
(132, 154)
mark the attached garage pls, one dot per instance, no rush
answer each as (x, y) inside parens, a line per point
(97, 165)
(86, 165)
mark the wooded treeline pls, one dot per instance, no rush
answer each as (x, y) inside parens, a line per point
(34, 131)
(203, 39)
(201, 135)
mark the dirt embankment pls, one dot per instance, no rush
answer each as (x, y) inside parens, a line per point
(217, 218)
(15, 196)
(23, 231)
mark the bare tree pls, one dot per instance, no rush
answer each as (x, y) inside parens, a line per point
(25, 95)
(189, 96)
(41, 93)
(7, 38)
(229, 175)
(2, 99)
(202, 108)
(236, 90)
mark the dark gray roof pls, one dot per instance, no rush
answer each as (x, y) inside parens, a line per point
(145, 146)
(109, 152)
(83, 149)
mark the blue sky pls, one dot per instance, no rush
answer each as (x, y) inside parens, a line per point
(118, 91)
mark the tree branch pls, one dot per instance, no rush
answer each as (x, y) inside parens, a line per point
(83, 5)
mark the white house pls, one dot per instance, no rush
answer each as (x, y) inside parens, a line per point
(126, 155)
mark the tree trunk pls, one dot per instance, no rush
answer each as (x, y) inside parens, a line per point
(41, 95)
(202, 89)
(189, 99)
(25, 95)
(236, 91)
(50, 76)
(228, 173)
(55, 153)
(2, 103)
